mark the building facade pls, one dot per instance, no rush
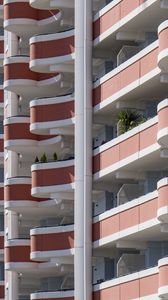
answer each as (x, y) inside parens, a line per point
(85, 154)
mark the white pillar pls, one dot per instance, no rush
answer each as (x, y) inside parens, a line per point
(83, 150)
(13, 286)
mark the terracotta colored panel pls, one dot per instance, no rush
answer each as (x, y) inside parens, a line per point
(148, 62)
(53, 241)
(107, 89)
(1, 96)
(52, 112)
(106, 21)
(129, 290)
(128, 6)
(148, 210)
(130, 74)
(52, 48)
(2, 292)
(21, 10)
(19, 192)
(1, 193)
(106, 158)
(163, 196)
(148, 137)
(106, 227)
(163, 276)
(1, 145)
(18, 71)
(2, 47)
(17, 254)
(163, 39)
(163, 119)
(18, 131)
(129, 146)
(1, 242)
(49, 177)
(129, 218)
(148, 285)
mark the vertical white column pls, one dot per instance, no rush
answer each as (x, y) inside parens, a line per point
(83, 149)
(13, 286)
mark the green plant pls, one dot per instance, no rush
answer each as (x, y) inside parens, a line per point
(43, 158)
(36, 159)
(128, 119)
(55, 157)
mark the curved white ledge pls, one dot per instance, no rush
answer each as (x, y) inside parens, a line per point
(17, 242)
(17, 180)
(16, 59)
(51, 100)
(49, 230)
(52, 36)
(162, 26)
(45, 191)
(61, 127)
(63, 64)
(162, 182)
(52, 165)
(17, 266)
(162, 137)
(41, 255)
(17, 120)
(162, 104)
(163, 60)
(51, 4)
(52, 295)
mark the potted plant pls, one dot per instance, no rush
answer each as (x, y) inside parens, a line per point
(43, 158)
(55, 157)
(128, 119)
(36, 160)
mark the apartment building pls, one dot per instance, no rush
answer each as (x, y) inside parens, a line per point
(85, 149)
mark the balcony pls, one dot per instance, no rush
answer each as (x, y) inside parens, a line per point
(118, 17)
(52, 115)
(51, 178)
(150, 282)
(25, 21)
(18, 194)
(53, 52)
(18, 78)
(17, 253)
(52, 242)
(127, 80)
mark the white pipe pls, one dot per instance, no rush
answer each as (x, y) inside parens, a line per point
(83, 149)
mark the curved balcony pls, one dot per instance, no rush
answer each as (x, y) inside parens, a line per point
(163, 278)
(23, 20)
(162, 136)
(18, 78)
(162, 212)
(17, 133)
(67, 295)
(163, 46)
(52, 115)
(52, 52)
(17, 255)
(52, 242)
(51, 178)
(17, 192)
